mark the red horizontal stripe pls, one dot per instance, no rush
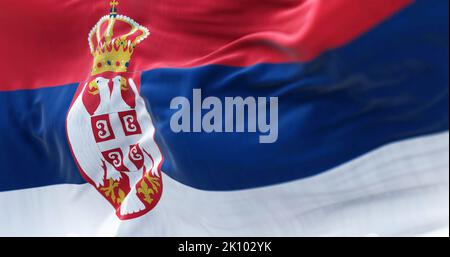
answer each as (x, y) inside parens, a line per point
(44, 42)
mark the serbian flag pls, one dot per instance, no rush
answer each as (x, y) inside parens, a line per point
(224, 118)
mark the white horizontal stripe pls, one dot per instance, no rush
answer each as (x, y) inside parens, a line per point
(399, 189)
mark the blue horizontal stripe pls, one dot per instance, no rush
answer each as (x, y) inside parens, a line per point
(33, 145)
(388, 85)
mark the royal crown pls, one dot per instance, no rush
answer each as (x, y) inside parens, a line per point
(112, 41)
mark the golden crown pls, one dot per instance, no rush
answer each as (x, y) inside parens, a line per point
(112, 41)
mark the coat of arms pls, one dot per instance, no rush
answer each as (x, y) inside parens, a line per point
(109, 129)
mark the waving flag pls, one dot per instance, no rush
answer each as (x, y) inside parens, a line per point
(116, 119)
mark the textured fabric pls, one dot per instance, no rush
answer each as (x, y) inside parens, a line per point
(361, 144)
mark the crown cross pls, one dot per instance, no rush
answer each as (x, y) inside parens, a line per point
(113, 10)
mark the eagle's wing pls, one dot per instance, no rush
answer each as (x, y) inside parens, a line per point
(83, 143)
(152, 153)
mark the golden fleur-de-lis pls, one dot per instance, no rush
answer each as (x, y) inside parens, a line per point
(109, 190)
(154, 182)
(149, 191)
(121, 196)
(146, 191)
